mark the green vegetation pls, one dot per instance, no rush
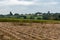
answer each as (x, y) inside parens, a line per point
(34, 16)
(27, 20)
(38, 17)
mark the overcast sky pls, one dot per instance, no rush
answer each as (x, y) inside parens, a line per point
(29, 6)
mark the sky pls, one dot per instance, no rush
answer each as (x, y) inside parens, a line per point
(29, 6)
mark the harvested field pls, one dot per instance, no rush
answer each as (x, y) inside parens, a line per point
(29, 31)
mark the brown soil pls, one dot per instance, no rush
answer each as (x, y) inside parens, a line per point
(29, 31)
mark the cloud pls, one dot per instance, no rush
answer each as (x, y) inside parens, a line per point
(46, 2)
(1, 0)
(49, 3)
(15, 2)
(29, 6)
(27, 2)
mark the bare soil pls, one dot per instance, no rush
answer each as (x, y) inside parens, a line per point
(29, 31)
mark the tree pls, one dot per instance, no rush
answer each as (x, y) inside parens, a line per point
(24, 17)
(1, 16)
(45, 16)
(48, 12)
(48, 16)
(16, 14)
(38, 13)
(31, 17)
(11, 13)
(56, 16)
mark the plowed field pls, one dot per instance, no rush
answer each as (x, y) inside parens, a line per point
(29, 31)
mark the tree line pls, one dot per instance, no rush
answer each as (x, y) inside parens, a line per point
(36, 16)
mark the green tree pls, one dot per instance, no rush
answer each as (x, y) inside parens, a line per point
(56, 16)
(11, 13)
(16, 14)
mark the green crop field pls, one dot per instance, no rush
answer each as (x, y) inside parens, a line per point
(28, 20)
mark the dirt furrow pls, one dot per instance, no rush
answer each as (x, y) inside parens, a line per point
(10, 33)
(24, 35)
(19, 35)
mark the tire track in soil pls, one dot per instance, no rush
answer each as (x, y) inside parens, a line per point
(24, 35)
(18, 35)
(9, 33)
(34, 37)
